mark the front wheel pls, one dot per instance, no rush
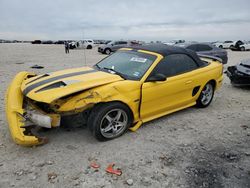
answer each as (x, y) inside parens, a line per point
(242, 48)
(206, 95)
(109, 121)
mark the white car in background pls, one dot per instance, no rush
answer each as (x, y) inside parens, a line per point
(173, 42)
(245, 46)
(226, 44)
(86, 44)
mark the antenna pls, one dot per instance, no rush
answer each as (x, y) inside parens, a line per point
(84, 53)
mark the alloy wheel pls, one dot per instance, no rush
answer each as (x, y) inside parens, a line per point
(113, 123)
(207, 94)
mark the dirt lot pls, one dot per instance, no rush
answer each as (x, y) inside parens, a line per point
(192, 148)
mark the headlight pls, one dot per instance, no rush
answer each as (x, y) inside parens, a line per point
(239, 73)
(39, 119)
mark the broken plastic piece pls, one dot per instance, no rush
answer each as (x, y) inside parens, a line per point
(110, 170)
(94, 165)
(37, 67)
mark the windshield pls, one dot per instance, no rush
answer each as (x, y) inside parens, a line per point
(110, 42)
(128, 64)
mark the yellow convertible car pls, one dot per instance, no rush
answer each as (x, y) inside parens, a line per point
(122, 91)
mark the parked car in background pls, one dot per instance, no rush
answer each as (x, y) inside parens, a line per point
(245, 46)
(47, 42)
(86, 44)
(240, 73)
(236, 46)
(36, 42)
(206, 49)
(59, 42)
(112, 46)
(107, 41)
(226, 44)
(173, 42)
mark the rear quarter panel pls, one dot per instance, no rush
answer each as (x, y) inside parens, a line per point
(213, 71)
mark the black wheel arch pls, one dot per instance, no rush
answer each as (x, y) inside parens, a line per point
(213, 82)
(97, 105)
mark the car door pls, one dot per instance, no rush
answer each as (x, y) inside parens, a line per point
(124, 44)
(159, 98)
(228, 44)
(247, 46)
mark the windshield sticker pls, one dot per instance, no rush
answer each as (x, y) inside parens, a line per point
(136, 74)
(138, 59)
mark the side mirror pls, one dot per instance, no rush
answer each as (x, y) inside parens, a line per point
(157, 77)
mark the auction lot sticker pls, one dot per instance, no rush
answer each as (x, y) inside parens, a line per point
(138, 59)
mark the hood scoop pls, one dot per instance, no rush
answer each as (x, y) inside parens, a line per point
(37, 78)
(52, 86)
(58, 85)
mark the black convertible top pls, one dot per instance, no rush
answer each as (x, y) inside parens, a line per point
(166, 50)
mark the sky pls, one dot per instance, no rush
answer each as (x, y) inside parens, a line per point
(148, 20)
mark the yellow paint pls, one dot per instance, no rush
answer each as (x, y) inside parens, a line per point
(125, 49)
(14, 110)
(82, 82)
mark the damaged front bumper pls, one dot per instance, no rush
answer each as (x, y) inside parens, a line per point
(237, 78)
(19, 119)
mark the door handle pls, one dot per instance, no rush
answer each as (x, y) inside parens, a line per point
(188, 82)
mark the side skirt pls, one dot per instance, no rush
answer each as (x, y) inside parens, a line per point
(139, 124)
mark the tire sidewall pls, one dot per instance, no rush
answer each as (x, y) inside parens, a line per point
(107, 51)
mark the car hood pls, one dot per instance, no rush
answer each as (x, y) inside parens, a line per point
(51, 86)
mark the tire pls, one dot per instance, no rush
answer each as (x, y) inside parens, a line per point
(231, 47)
(109, 121)
(89, 47)
(107, 51)
(242, 48)
(220, 46)
(206, 96)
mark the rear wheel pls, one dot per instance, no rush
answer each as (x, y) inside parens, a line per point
(107, 51)
(109, 121)
(220, 46)
(89, 47)
(206, 95)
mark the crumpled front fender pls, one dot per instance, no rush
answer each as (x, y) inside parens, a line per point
(15, 111)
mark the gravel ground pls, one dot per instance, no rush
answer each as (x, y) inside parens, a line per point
(192, 148)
